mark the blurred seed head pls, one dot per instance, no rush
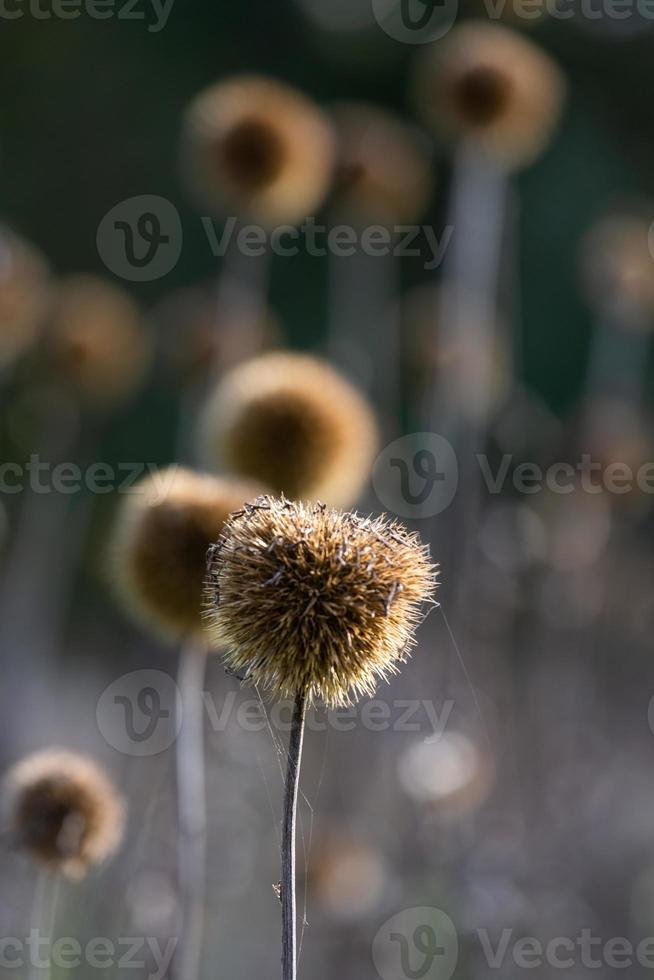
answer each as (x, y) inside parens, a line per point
(449, 772)
(488, 87)
(259, 147)
(160, 541)
(199, 338)
(477, 361)
(384, 167)
(346, 876)
(64, 811)
(578, 527)
(294, 424)
(618, 269)
(24, 294)
(310, 600)
(96, 340)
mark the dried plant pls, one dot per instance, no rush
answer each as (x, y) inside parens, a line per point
(160, 542)
(294, 424)
(259, 147)
(64, 811)
(97, 341)
(384, 168)
(312, 603)
(489, 87)
(24, 295)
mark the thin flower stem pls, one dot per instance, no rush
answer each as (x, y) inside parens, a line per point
(289, 918)
(44, 911)
(191, 809)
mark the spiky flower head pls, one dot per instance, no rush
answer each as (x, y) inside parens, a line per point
(259, 147)
(163, 531)
(292, 423)
(494, 90)
(309, 600)
(384, 167)
(64, 811)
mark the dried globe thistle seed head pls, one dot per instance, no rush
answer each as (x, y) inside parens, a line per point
(160, 542)
(257, 146)
(308, 600)
(64, 811)
(384, 168)
(488, 87)
(24, 294)
(199, 338)
(292, 423)
(97, 341)
(618, 269)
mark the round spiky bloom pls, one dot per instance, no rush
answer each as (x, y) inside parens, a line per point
(97, 340)
(64, 811)
(488, 87)
(24, 295)
(291, 422)
(384, 169)
(308, 600)
(163, 532)
(256, 145)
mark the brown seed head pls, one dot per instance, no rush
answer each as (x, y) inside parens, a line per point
(64, 811)
(295, 425)
(493, 89)
(163, 532)
(97, 340)
(24, 294)
(257, 146)
(384, 169)
(310, 600)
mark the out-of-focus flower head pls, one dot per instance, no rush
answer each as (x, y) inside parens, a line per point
(487, 87)
(257, 148)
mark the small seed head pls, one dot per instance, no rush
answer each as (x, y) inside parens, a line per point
(159, 548)
(64, 811)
